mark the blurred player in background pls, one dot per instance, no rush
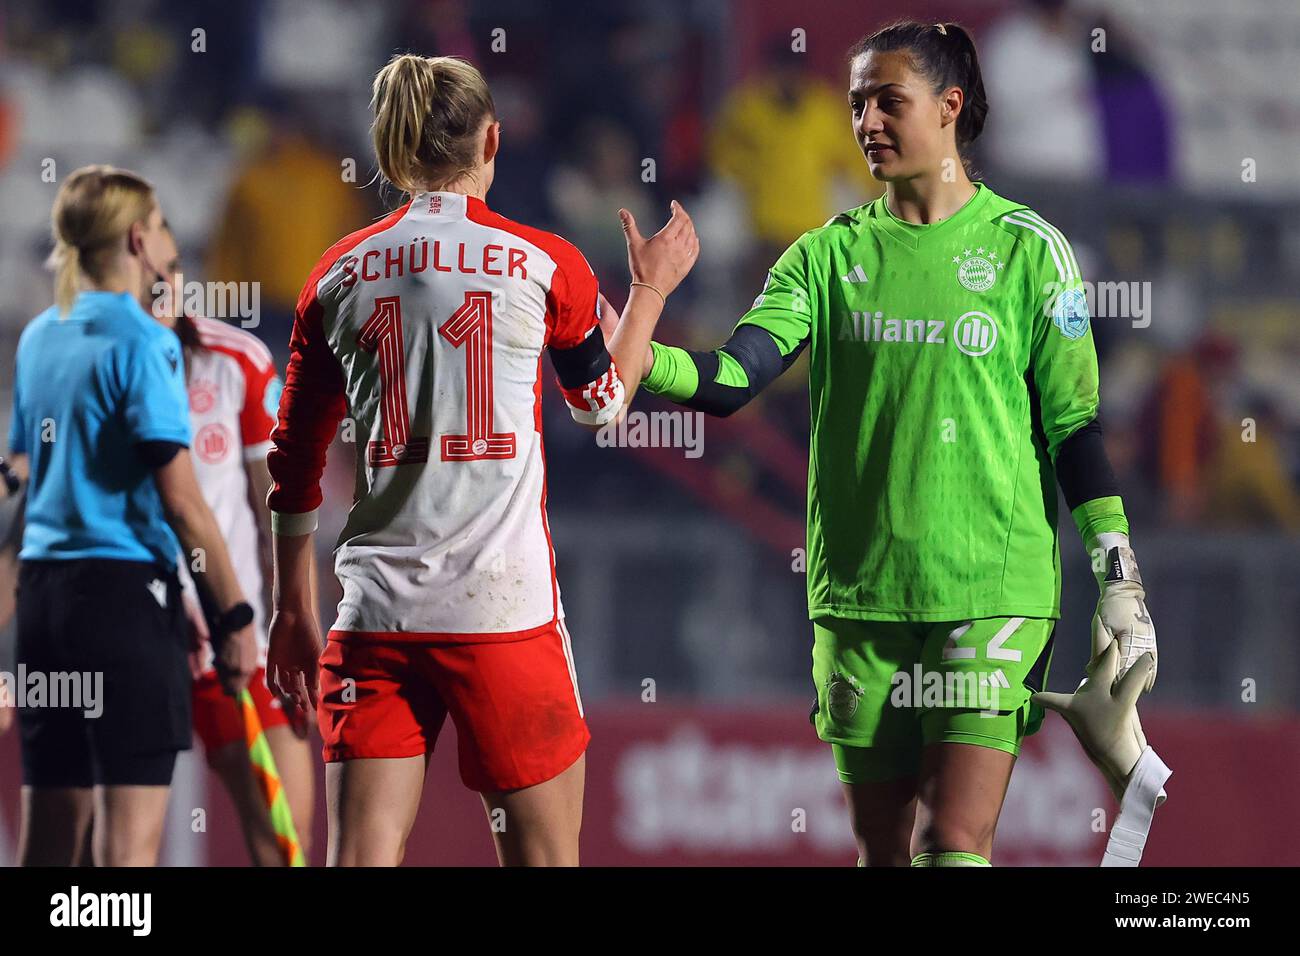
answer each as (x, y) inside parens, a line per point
(100, 427)
(427, 329)
(233, 396)
(953, 383)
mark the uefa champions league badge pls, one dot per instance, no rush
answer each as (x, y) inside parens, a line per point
(977, 269)
(1070, 313)
(271, 397)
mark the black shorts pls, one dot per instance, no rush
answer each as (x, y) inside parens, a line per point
(115, 632)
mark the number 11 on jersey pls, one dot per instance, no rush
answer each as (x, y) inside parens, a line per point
(382, 334)
(471, 326)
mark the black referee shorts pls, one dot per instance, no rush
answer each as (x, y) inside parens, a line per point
(121, 627)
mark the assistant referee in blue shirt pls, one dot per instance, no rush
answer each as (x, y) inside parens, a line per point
(101, 428)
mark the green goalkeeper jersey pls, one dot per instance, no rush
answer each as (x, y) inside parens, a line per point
(948, 362)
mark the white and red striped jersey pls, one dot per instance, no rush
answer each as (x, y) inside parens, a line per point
(427, 330)
(234, 394)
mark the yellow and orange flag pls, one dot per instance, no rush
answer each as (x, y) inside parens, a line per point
(268, 779)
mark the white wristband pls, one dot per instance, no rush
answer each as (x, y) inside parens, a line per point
(293, 525)
(1113, 559)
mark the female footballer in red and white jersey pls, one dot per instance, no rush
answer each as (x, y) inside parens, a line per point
(234, 393)
(427, 330)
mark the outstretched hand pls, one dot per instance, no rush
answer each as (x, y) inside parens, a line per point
(665, 258)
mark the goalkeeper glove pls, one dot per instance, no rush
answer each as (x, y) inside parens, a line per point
(1122, 608)
(1103, 715)
(1102, 712)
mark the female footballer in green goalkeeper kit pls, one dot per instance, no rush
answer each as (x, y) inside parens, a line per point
(953, 383)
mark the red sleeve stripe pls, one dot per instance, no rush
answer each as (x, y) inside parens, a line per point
(572, 301)
(563, 253)
(255, 369)
(313, 401)
(218, 335)
(341, 248)
(311, 406)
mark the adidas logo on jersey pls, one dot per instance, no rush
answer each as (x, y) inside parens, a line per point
(996, 679)
(855, 276)
(159, 591)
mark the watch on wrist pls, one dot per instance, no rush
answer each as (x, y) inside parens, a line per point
(234, 618)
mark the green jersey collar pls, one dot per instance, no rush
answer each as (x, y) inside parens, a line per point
(912, 234)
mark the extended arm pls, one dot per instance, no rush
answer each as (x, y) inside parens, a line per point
(311, 406)
(766, 342)
(721, 381)
(259, 486)
(192, 520)
(599, 373)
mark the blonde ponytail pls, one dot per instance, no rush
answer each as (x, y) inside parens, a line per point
(428, 111)
(67, 273)
(93, 210)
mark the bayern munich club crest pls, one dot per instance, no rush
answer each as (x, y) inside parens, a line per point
(977, 269)
(842, 695)
(203, 396)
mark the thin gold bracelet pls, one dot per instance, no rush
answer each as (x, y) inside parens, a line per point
(663, 298)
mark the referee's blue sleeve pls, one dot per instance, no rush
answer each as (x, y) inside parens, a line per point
(17, 435)
(157, 406)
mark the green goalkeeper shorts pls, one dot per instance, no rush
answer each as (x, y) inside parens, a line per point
(885, 689)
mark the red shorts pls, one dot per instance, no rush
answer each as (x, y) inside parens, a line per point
(515, 704)
(216, 717)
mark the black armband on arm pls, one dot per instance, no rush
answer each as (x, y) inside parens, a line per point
(585, 362)
(1083, 468)
(722, 390)
(155, 454)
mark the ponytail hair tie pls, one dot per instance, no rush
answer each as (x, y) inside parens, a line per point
(941, 28)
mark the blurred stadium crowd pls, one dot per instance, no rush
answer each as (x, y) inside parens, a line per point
(1169, 159)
